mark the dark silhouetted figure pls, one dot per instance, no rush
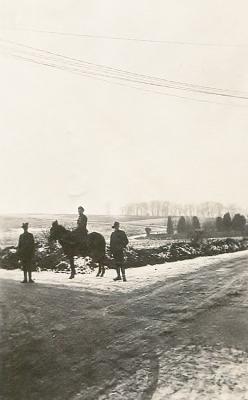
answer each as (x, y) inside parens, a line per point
(118, 242)
(82, 222)
(81, 229)
(94, 248)
(26, 247)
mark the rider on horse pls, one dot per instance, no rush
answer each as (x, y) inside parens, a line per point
(82, 222)
(81, 229)
(79, 243)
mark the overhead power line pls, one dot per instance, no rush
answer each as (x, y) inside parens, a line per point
(111, 74)
(125, 38)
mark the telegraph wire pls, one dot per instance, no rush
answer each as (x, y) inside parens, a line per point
(130, 86)
(118, 70)
(100, 72)
(124, 38)
(154, 81)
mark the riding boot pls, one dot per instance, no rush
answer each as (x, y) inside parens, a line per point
(73, 270)
(118, 270)
(25, 277)
(123, 274)
(30, 277)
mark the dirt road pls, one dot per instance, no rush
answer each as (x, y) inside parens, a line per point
(183, 337)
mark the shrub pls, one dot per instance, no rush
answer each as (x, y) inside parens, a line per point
(196, 223)
(170, 228)
(148, 231)
(238, 222)
(227, 222)
(219, 224)
(181, 226)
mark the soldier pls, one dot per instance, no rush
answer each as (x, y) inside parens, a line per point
(82, 222)
(118, 242)
(81, 230)
(25, 252)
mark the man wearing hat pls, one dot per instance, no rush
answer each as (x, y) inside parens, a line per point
(25, 252)
(118, 242)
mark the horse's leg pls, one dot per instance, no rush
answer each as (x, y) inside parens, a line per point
(99, 270)
(102, 266)
(73, 271)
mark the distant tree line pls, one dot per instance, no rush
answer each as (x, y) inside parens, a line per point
(158, 208)
(222, 224)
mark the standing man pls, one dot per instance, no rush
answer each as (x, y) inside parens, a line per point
(26, 247)
(118, 242)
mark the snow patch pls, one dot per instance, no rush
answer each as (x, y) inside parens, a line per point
(137, 278)
(202, 373)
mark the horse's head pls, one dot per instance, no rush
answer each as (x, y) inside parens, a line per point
(55, 231)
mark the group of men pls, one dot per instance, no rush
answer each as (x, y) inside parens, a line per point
(118, 243)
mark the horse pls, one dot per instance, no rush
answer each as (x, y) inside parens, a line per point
(93, 246)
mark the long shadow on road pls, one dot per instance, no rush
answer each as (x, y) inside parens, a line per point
(62, 344)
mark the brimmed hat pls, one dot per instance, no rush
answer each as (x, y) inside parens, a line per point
(116, 225)
(25, 225)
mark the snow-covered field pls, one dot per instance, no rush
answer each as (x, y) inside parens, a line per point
(10, 226)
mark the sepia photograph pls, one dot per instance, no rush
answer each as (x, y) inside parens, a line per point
(123, 200)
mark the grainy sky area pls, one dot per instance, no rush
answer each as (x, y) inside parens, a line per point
(68, 139)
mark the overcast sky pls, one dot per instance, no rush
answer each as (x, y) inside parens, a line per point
(68, 140)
